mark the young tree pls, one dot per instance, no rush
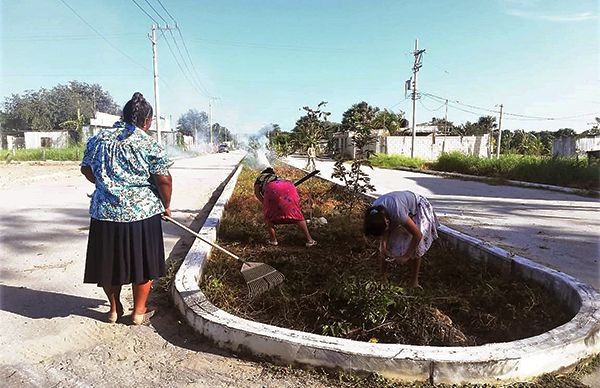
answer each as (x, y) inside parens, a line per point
(311, 128)
(594, 130)
(194, 123)
(394, 123)
(361, 120)
(445, 127)
(360, 115)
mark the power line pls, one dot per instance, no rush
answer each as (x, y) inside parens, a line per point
(187, 51)
(194, 82)
(144, 11)
(102, 36)
(189, 57)
(515, 116)
(168, 13)
(177, 61)
(155, 11)
(36, 38)
(431, 110)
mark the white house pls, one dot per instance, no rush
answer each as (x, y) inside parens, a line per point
(46, 139)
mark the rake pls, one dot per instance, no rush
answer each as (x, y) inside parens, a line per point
(308, 176)
(259, 277)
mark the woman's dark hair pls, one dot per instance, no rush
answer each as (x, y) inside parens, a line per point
(374, 223)
(137, 110)
(268, 170)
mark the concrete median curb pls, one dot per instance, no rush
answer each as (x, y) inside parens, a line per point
(519, 360)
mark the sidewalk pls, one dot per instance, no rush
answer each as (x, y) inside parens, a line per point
(53, 329)
(559, 230)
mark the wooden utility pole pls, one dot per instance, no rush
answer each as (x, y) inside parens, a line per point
(499, 133)
(417, 65)
(152, 37)
(210, 121)
(156, 96)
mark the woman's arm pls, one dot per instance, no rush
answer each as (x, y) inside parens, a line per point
(87, 172)
(417, 236)
(164, 183)
(382, 255)
(257, 193)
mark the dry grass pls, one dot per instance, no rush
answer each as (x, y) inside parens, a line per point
(334, 288)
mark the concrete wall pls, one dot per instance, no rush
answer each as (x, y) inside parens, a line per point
(342, 143)
(428, 149)
(569, 146)
(56, 139)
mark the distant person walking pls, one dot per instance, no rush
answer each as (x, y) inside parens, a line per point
(311, 154)
(406, 226)
(133, 189)
(281, 204)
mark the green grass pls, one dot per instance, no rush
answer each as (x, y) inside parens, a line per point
(391, 161)
(60, 154)
(568, 172)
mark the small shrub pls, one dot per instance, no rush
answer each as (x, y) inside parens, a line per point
(392, 161)
(569, 172)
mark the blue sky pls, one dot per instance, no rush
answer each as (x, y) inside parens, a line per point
(264, 60)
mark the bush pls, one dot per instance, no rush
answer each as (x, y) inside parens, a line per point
(553, 171)
(391, 161)
(59, 154)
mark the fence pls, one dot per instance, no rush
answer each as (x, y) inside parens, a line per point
(429, 149)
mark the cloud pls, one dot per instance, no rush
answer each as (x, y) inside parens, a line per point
(574, 17)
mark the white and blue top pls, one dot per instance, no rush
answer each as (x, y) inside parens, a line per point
(123, 158)
(399, 205)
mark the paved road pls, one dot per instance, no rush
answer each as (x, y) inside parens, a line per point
(52, 326)
(556, 229)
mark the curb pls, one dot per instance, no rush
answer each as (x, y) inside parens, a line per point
(519, 360)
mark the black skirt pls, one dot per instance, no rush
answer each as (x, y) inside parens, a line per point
(124, 252)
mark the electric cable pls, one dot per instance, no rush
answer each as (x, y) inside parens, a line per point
(102, 36)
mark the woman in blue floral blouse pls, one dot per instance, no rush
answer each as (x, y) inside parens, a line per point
(133, 189)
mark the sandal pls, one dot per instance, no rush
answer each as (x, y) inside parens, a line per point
(311, 243)
(274, 243)
(142, 319)
(114, 317)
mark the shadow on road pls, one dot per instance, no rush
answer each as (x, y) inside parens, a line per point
(36, 304)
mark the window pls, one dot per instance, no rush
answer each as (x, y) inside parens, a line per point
(46, 142)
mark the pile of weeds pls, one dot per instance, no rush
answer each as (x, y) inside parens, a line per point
(334, 288)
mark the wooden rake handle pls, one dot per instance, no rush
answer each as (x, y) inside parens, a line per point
(306, 177)
(169, 219)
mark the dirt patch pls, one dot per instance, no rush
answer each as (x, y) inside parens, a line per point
(334, 288)
(24, 173)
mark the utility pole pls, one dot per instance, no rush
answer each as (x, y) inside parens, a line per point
(156, 97)
(210, 121)
(152, 37)
(417, 65)
(499, 133)
(446, 119)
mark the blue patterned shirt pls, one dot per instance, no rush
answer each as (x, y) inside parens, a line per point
(123, 158)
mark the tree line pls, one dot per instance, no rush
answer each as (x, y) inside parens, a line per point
(72, 105)
(314, 128)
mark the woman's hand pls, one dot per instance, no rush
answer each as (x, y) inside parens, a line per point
(167, 212)
(400, 259)
(87, 172)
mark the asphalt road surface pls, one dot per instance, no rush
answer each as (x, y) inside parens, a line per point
(559, 230)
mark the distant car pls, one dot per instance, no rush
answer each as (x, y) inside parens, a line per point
(223, 148)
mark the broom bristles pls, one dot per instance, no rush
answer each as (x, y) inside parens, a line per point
(261, 277)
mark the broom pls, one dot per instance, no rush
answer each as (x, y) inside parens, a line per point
(259, 277)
